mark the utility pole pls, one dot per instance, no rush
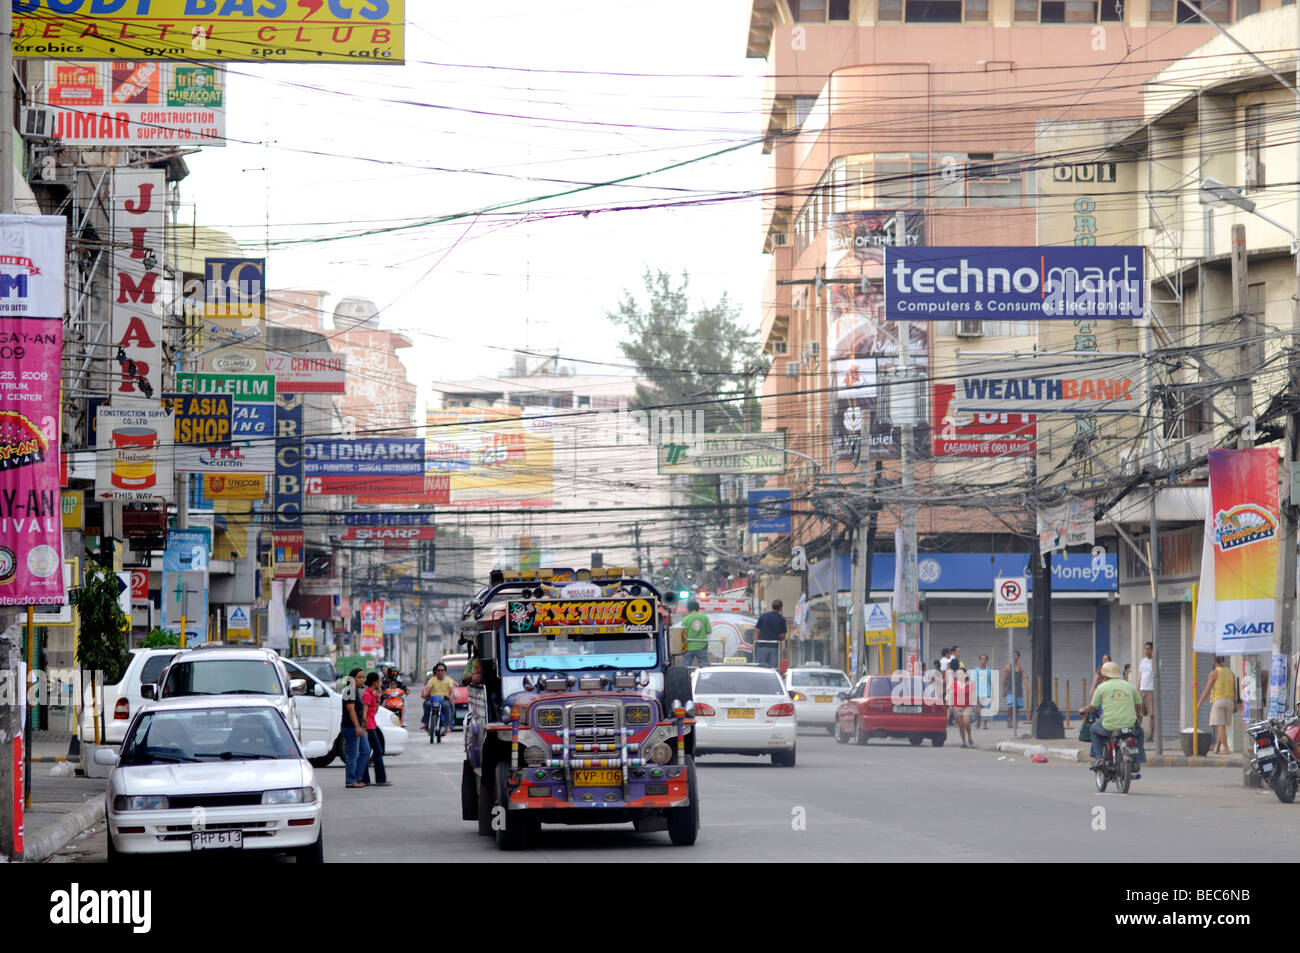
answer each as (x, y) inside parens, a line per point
(908, 477)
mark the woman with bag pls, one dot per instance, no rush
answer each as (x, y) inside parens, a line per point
(1221, 689)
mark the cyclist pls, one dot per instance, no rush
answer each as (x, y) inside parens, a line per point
(1122, 708)
(437, 693)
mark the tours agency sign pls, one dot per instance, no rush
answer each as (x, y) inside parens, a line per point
(363, 32)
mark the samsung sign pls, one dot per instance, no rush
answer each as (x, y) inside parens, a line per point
(1013, 283)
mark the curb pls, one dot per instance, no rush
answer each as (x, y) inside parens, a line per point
(45, 843)
(1064, 754)
(1196, 761)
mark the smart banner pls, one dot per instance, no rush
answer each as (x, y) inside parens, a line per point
(31, 511)
(977, 434)
(1018, 283)
(364, 32)
(288, 462)
(1048, 384)
(129, 103)
(32, 256)
(234, 288)
(133, 453)
(724, 453)
(308, 373)
(1237, 600)
(863, 344)
(332, 466)
(769, 511)
(139, 209)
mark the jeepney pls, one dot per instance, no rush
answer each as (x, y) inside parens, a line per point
(576, 714)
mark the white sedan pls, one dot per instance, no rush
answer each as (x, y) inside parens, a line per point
(743, 709)
(814, 690)
(198, 774)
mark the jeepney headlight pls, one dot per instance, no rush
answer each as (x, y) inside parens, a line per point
(661, 753)
(549, 718)
(637, 715)
(534, 755)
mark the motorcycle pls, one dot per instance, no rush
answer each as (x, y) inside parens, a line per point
(395, 701)
(1118, 760)
(1274, 758)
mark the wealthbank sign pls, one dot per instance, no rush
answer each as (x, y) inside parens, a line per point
(1013, 283)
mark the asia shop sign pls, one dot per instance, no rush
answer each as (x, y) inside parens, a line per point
(724, 453)
(200, 419)
(308, 373)
(1014, 283)
(363, 32)
(1047, 384)
(371, 465)
(131, 103)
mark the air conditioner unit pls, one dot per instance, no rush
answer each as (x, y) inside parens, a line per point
(780, 348)
(812, 349)
(792, 368)
(38, 123)
(970, 329)
(780, 239)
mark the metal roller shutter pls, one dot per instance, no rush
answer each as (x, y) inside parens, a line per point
(969, 623)
(1169, 655)
(1073, 632)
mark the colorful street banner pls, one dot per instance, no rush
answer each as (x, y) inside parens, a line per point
(978, 434)
(121, 103)
(1048, 384)
(234, 289)
(372, 628)
(187, 550)
(364, 33)
(288, 544)
(751, 453)
(333, 466)
(1236, 600)
(1014, 283)
(495, 456)
(863, 343)
(393, 618)
(32, 256)
(222, 486)
(139, 211)
(133, 453)
(31, 519)
(308, 373)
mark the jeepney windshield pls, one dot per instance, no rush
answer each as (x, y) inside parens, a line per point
(564, 635)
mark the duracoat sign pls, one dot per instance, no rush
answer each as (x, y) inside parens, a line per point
(1027, 283)
(364, 32)
(1048, 383)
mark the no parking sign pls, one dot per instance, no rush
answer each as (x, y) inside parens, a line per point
(1011, 603)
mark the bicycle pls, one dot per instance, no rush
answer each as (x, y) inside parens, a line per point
(437, 717)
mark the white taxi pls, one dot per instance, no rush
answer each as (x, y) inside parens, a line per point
(743, 709)
(813, 690)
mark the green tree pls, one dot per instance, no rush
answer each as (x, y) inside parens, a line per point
(689, 358)
(160, 639)
(101, 642)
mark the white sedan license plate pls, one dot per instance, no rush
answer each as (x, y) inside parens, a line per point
(907, 709)
(823, 699)
(216, 840)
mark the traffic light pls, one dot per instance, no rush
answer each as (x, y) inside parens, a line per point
(683, 594)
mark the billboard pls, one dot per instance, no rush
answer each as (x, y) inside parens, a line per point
(234, 289)
(32, 256)
(700, 454)
(961, 433)
(372, 628)
(133, 453)
(288, 545)
(769, 511)
(371, 32)
(1014, 283)
(31, 504)
(121, 103)
(435, 492)
(220, 486)
(250, 450)
(494, 456)
(200, 418)
(288, 462)
(249, 388)
(308, 373)
(863, 344)
(1048, 383)
(139, 210)
(389, 534)
(338, 466)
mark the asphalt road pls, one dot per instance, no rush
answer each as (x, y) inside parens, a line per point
(885, 801)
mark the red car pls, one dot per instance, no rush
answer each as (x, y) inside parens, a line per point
(885, 706)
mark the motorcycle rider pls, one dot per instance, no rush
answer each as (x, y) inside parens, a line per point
(1121, 707)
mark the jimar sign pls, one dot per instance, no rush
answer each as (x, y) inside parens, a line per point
(1013, 283)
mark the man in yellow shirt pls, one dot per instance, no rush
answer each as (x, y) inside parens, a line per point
(437, 692)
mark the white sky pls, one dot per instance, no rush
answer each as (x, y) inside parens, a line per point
(462, 287)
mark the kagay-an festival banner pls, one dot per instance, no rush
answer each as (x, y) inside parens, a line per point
(31, 345)
(1238, 591)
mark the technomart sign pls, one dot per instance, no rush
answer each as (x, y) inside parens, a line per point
(1013, 283)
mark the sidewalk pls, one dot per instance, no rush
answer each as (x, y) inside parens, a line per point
(998, 737)
(61, 808)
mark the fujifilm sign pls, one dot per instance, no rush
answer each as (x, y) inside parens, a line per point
(1013, 283)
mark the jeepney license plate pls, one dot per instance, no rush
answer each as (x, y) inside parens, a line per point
(907, 709)
(597, 777)
(823, 699)
(740, 713)
(216, 840)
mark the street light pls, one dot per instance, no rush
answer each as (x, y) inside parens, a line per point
(1215, 193)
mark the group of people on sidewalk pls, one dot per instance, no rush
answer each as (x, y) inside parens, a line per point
(363, 742)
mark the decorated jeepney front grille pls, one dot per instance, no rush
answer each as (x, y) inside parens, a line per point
(594, 716)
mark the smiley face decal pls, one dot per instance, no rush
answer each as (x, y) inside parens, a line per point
(639, 611)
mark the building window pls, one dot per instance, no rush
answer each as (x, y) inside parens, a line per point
(933, 11)
(1112, 11)
(839, 10)
(1246, 8)
(889, 10)
(1027, 11)
(1254, 157)
(977, 11)
(810, 11)
(1067, 11)
(991, 182)
(1160, 11)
